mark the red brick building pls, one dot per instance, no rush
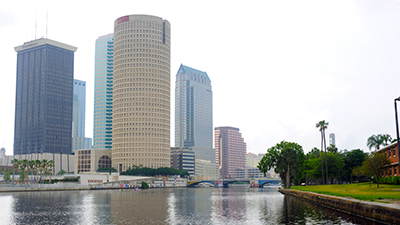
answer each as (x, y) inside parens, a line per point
(393, 154)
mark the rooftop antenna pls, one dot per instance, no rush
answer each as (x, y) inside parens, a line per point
(35, 24)
(47, 16)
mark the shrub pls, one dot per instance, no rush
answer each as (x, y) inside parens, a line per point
(144, 185)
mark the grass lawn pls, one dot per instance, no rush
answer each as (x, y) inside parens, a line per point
(361, 192)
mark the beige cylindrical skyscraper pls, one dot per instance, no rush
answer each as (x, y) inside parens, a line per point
(141, 92)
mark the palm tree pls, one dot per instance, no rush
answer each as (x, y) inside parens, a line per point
(50, 165)
(24, 165)
(38, 165)
(15, 163)
(375, 141)
(31, 165)
(322, 125)
(386, 139)
(43, 169)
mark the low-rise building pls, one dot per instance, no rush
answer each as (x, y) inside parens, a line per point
(206, 170)
(393, 155)
(63, 162)
(89, 160)
(183, 159)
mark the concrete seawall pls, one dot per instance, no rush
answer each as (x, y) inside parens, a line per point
(387, 213)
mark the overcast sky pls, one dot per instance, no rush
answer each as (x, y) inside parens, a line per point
(276, 67)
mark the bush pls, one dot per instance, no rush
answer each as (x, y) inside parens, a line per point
(389, 180)
(144, 185)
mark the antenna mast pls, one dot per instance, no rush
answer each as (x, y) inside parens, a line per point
(35, 24)
(47, 17)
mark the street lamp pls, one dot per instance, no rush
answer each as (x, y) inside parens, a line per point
(397, 125)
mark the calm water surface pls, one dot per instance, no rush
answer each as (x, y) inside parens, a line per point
(165, 206)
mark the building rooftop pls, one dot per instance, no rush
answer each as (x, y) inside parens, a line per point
(189, 70)
(44, 41)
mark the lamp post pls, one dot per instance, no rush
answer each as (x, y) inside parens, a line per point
(397, 124)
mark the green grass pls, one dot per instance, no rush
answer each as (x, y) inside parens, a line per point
(361, 192)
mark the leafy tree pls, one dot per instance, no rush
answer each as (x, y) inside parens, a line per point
(314, 151)
(106, 169)
(287, 158)
(7, 176)
(322, 125)
(358, 172)
(335, 162)
(332, 148)
(375, 164)
(352, 159)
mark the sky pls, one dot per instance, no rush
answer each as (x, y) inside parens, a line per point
(277, 67)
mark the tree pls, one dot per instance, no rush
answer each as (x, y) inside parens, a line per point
(387, 139)
(38, 166)
(375, 164)
(50, 168)
(322, 125)
(286, 157)
(375, 141)
(31, 165)
(358, 172)
(352, 159)
(15, 163)
(7, 176)
(332, 148)
(24, 165)
(314, 151)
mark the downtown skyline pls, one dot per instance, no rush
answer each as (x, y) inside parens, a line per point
(289, 67)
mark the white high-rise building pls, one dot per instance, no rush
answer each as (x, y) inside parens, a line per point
(141, 92)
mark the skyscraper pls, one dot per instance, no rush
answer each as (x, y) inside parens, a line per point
(193, 112)
(103, 92)
(141, 99)
(230, 150)
(79, 141)
(44, 97)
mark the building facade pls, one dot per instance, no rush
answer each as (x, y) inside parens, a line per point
(206, 170)
(79, 141)
(44, 97)
(392, 154)
(89, 160)
(230, 150)
(183, 159)
(193, 112)
(103, 92)
(141, 92)
(249, 172)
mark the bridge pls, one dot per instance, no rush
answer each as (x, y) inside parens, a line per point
(254, 182)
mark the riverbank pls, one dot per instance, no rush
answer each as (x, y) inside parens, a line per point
(375, 211)
(386, 193)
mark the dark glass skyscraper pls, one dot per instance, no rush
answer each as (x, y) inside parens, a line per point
(44, 97)
(193, 112)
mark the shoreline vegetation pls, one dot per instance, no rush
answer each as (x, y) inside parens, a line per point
(386, 193)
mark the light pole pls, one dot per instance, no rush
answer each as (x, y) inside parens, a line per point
(397, 124)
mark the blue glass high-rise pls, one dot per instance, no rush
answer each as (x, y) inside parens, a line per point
(193, 112)
(44, 97)
(103, 92)
(79, 141)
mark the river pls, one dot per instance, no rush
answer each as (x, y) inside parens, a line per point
(234, 205)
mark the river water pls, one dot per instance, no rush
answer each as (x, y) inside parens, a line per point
(234, 205)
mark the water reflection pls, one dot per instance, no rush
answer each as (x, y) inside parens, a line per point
(166, 206)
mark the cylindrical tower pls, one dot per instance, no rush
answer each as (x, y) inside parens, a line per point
(141, 92)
